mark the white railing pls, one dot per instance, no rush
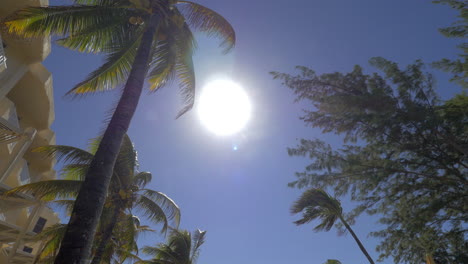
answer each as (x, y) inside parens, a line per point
(2, 56)
(24, 177)
(8, 132)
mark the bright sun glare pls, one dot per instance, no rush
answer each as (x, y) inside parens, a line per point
(224, 107)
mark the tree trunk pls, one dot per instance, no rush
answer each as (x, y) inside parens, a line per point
(78, 240)
(357, 240)
(106, 236)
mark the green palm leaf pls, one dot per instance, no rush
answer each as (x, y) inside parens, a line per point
(152, 211)
(66, 154)
(53, 236)
(49, 190)
(170, 208)
(203, 19)
(163, 63)
(102, 37)
(113, 72)
(198, 240)
(184, 68)
(58, 20)
(180, 248)
(142, 179)
(74, 171)
(317, 204)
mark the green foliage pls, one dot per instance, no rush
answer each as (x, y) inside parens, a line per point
(181, 248)
(317, 204)
(459, 29)
(405, 154)
(127, 194)
(115, 29)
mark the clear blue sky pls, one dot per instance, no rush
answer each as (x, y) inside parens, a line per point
(240, 197)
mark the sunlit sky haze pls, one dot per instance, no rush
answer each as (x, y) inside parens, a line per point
(235, 187)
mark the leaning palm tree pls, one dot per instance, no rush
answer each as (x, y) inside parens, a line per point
(143, 39)
(317, 204)
(127, 193)
(181, 248)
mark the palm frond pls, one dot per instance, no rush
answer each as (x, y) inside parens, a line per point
(52, 236)
(317, 204)
(141, 179)
(58, 20)
(66, 154)
(67, 205)
(113, 72)
(184, 69)
(315, 197)
(74, 171)
(168, 206)
(99, 37)
(203, 19)
(162, 254)
(163, 61)
(327, 222)
(152, 211)
(49, 232)
(144, 229)
(180, 241)
(49, 190)
(198, 240)
(309, 215)
(126, 163)
(132, 258)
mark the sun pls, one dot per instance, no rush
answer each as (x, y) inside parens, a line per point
(224, 107)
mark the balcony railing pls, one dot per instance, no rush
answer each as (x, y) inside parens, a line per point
(2, 56)
(8, 132)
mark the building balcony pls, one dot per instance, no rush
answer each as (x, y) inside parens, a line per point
(31, 50)
(3, 65)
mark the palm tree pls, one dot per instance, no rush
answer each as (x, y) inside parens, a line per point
(317, 204)
(143, 39)
(181, 248)
(127, 193)
(121, 247)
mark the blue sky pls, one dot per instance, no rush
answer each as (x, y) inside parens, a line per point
(241, 196)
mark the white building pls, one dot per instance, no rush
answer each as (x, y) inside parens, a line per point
(26, 114)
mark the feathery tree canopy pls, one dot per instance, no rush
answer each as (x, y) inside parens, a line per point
(459, 29)
(404, 158)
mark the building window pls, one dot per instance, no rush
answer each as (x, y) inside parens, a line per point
(39, 225)
(28, 249)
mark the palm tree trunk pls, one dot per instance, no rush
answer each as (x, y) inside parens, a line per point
(357, 240)
(78, 240)
(106, 236)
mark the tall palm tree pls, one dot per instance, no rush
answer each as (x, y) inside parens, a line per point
(181, 248)
(143, 39)
(127, 194)
(317, 204)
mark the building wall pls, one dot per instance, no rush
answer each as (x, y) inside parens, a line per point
(26, 114)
